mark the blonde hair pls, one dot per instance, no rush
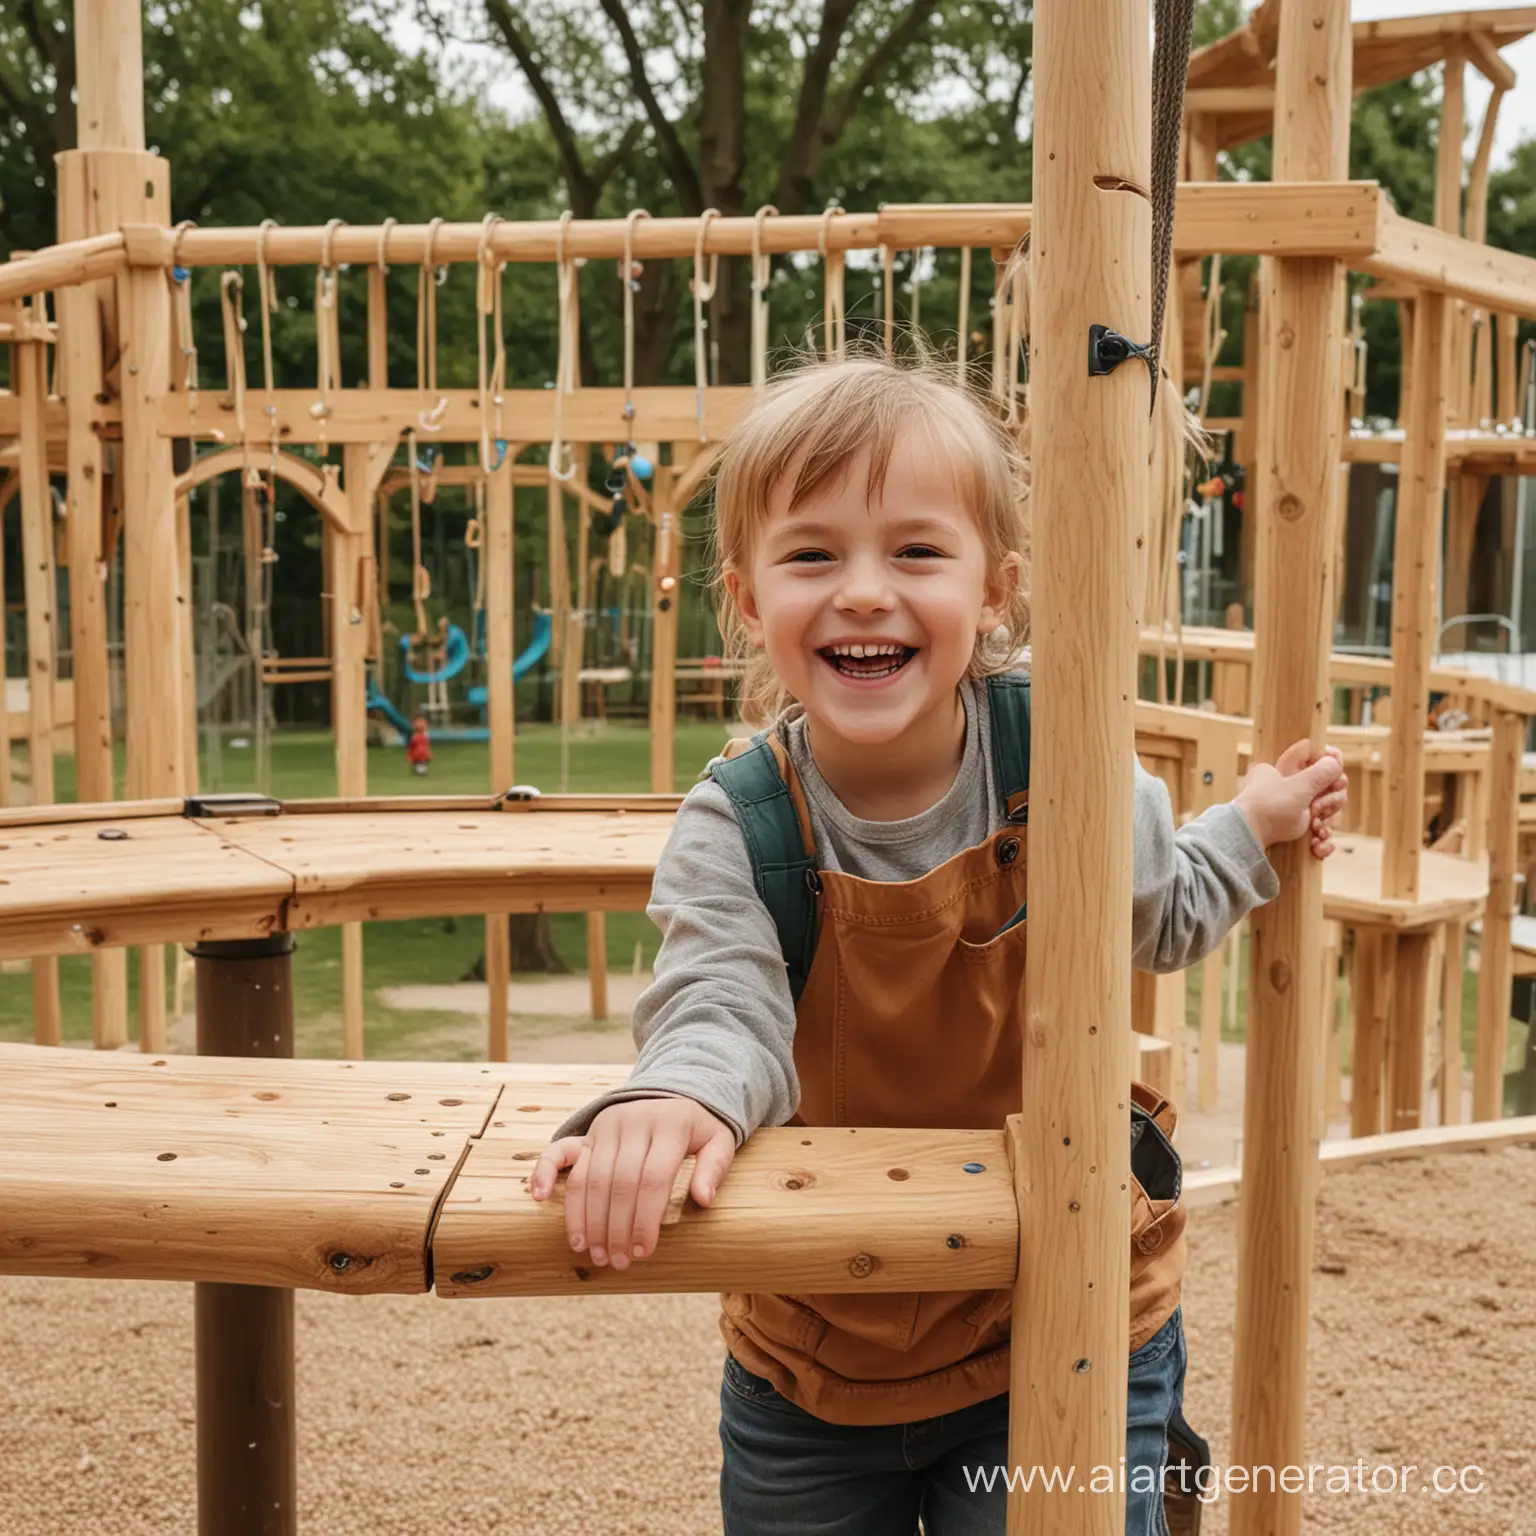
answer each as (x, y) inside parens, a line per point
(810, 424)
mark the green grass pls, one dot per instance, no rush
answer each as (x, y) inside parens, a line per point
(612, 757)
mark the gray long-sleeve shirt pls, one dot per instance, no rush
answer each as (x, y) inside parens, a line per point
(717, 1023)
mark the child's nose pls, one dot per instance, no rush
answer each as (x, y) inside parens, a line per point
(864, 588)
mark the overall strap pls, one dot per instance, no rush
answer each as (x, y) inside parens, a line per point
(780, 845)
(1008, 698)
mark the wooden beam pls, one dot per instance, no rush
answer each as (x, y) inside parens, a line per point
(1430, 258)
(1300, 430)
(40, 589)
(1214, 100)
(1497, 964)
(497, 553)
(1067, 1383)
(317, 484)
(59, 266)
(1415, 565)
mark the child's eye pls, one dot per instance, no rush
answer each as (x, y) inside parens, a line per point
(805, 555)
(921, 552)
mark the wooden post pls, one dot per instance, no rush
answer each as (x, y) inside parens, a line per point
(152, 595)
(499, 646)
(665, 593)
(350, 569)
(247, 1424)
(40, 586)
(1415, 559)
(1497, 967)
(1508, 408)
(597, 963)
(1371, 988)
(1453, 127)
(1300, 428)
(1070, 1153)
(81, 312)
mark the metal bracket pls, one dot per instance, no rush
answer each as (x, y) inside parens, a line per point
(238, 803)
(521, 792)
(1107, 349)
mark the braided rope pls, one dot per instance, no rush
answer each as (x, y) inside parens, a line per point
(1170, 65)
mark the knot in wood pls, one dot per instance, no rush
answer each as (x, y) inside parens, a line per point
(396, 1098)
(475, 1276)
(861, 1266)
(1287, 335)
(266, 1095)
(1280, 976)
(897, 1175)
(1290, 507)
(794, 1179)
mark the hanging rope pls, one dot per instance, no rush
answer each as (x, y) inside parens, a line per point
(427, 280)
(965, 314)
(181, 297)
(762, 278)
(631, 282)
(231, 308)
(421, 579)
(488, 308)
(327, 334)
(266, 302)
(1170, 64)
(381, 261)
(833, 327)
(562, 462)
(1211, 332)
(703, 292)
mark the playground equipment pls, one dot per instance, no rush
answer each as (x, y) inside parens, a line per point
(1066, 1213)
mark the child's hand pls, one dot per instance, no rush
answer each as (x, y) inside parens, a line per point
(623, 1170)
(1297, 795)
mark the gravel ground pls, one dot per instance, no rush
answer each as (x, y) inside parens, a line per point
(549, 1417)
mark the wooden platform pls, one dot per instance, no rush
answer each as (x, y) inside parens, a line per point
(1450, 889)
(78, 878)
(368, 1177)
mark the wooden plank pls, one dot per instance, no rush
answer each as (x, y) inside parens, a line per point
(1204, 1184)
(1300, 427)
(1450, 888)
(1496, 963)
(803, 1209)
(67, 890)
(375, 866)
(498, 556)
(1427, 258)
(1415, 562)
(322, 1175)
(1413, 997)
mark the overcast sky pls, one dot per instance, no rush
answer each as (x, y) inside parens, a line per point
(503, 84)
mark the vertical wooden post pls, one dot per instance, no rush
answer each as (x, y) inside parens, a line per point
(499, 645)
(1415, 560)
(125, 185)
(362, 466)
(1070, 1153)
(152, 595)
(81, 322)
(1496, 970)
(1448, 154)
(1508, 408)
(1300, 427)
(40, 586)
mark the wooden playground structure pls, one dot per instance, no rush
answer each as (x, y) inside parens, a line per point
(406, 1178)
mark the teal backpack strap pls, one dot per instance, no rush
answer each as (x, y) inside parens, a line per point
(1008, 696)
(783, 869)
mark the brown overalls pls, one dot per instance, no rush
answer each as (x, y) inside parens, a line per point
(913, 1015)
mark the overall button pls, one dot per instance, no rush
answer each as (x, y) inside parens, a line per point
(1007, 851)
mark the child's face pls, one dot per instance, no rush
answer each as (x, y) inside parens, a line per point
(904, 578)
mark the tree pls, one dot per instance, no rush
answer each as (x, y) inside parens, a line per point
(678, 109)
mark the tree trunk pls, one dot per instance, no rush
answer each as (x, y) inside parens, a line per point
(533, 948)
(722, 164)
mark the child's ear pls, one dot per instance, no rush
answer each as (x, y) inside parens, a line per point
(998, 595)
(745, 600)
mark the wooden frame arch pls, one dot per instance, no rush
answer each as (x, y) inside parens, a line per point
(317, 485)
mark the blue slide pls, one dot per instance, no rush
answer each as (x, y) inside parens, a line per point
(454, 662)
(527, 659)
(376, 701)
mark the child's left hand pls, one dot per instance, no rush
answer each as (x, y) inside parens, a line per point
(1296, 795)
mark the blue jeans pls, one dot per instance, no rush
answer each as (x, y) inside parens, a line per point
(787, 1473)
